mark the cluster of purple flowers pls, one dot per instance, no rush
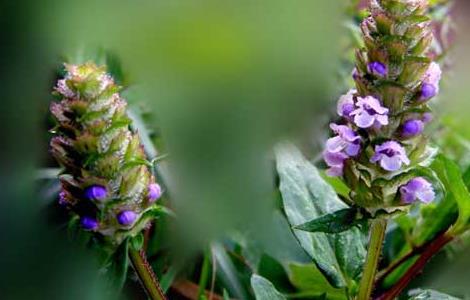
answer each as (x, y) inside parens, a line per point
(125, 217)
(365, 116)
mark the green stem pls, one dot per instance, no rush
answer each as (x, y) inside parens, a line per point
(377, 235)
(204, 277)
(146, 275)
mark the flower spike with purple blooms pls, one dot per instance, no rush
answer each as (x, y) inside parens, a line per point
(91, 107)
(383, 117)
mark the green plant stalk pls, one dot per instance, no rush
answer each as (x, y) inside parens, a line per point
(204, 277)
(377, 234)
(146, 275)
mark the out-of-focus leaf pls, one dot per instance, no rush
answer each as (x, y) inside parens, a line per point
(264, 290)
(451, 177)
(339, 221)
(227, 272)
(429, 295)
(311, 282)
(168, 278)
(307, 196)
(274, 271)
(117, 267)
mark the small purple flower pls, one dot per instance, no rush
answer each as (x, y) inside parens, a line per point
(355, 74)
(417, 189)
(89, 223)
(126, 217)
(369, 113)
(431, 79)
(346, 104)
(63, 198)
(426, 117)
(378, 69)
(96, 192)
(154, 192)
(412, 128)
(345, 144)
(391, 156)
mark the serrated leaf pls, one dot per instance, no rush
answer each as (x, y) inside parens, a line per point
(307, 196)
(339, 221)
(264, 290)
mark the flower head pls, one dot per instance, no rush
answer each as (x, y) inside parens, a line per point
(417, 189)
(96, 192)
(346, 104)
(126, 217)
(412, 128)
(154, 192)
(391, 156)
(378, 69)
(431, 79)
(369, 113)
(88, 223)
(345, 144)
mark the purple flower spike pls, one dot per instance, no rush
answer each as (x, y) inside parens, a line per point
(89, 223)
(96, 192)
(345, 144)
(417, 189)
(346, 104)
(126, 217)
(369, 113)
(378, 69)
(412, 128)
(391, 156)
(431, 79)
(154, 192)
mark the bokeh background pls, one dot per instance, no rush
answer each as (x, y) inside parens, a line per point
(221, 83)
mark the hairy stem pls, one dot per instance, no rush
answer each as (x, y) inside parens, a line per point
(377, 234)
(434, 247)
(146, 275)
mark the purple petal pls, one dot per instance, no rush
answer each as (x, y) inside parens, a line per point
(335, 171)
(412, 128)
(353, 149)
(428, 91)
(154, 192)
(381, 119)
(335, 144)
(334, 159)
(126, 217)
(390, 163)
(363, 120)
(346, 104)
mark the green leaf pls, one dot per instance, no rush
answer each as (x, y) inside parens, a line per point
(429, 295)
(117, 267)
(307, 196)
(264, 290)
(449, 174)
(311, 282)
(339, 221)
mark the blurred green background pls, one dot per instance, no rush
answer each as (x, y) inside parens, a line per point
(223, 80)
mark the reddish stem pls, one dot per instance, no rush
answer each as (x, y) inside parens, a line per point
(432, 248)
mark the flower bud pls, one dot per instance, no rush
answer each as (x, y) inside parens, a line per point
(96, 192)
(154, 192)
(126, 217)
(412, 128)
(89, 223)
(378, 69)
